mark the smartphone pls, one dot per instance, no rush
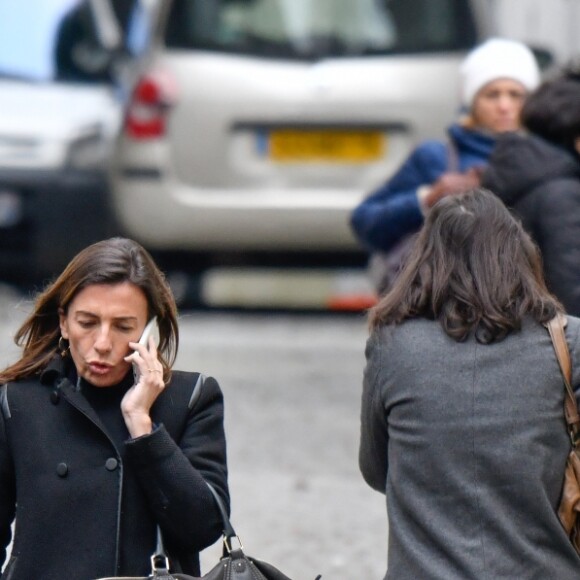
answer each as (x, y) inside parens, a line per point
(151, 329)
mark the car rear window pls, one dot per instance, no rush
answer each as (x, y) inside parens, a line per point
(313, 29)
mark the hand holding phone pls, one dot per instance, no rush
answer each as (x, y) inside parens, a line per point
(152, 329)
(138, 400)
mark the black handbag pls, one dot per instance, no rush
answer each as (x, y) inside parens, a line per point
(233, 565)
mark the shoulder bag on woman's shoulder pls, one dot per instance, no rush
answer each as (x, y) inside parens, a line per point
(569, 508)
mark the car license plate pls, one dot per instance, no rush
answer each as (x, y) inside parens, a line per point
(326, 145)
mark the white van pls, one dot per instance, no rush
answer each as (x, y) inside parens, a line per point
(257, 125)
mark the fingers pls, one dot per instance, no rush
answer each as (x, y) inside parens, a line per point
(152, 346)
(146, 352)
(146, 359)
(156, 376)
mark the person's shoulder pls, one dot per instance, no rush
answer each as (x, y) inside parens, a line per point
(410, 330)
(185, 379)
(430, 149)
(409, 340)
(510, 138)
(428, 160)
(28, 385)
(195, 387)
(23, 392)
(532, 148)
(33, 381)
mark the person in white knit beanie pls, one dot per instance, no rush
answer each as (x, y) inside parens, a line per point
(497, 58)
(496, 78)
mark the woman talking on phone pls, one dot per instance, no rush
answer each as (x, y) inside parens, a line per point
(101, 442)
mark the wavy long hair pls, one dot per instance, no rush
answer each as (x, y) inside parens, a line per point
(111, 261)
(474, 269)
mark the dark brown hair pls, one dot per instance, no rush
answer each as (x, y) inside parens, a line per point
(474, 269)
(111, 261)
(553, 110)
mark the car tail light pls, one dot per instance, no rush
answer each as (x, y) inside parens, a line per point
(153, 96)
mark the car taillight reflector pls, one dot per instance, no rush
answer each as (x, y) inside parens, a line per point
(147, 112)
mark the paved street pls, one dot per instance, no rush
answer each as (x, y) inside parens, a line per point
(292, 390)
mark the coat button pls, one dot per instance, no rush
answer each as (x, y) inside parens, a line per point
(62, 469)
(54, 397)
(111, 464)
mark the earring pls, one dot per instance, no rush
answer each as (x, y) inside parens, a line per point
(64, 348)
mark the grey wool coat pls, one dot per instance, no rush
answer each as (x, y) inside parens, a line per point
(469, 444)
(86, 507)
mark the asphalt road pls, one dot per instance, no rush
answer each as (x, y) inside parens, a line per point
(292, 389)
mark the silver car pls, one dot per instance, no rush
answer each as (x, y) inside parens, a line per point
(257, 125)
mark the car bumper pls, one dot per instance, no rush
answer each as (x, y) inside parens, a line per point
(174, 217)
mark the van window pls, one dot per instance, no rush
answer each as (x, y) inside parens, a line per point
(314, 29)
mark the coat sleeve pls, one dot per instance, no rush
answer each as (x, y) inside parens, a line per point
(393, 210)
(7, 480)
(558, 225)
(173, 475)
(374, 439)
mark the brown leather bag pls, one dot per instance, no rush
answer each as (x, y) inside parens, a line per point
(569, 508)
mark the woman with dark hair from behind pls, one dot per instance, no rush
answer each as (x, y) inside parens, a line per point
(538, 176)
(95, 456)
(462, 409)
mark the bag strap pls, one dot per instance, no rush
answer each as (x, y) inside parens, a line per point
(159, 559)
(228, 530)
(556, 329)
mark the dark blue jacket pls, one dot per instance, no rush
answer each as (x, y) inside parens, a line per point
(393, 211)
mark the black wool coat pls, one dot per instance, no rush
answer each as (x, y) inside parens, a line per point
(540, 183)
(86, 508)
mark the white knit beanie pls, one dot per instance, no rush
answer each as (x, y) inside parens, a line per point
(497, 58)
